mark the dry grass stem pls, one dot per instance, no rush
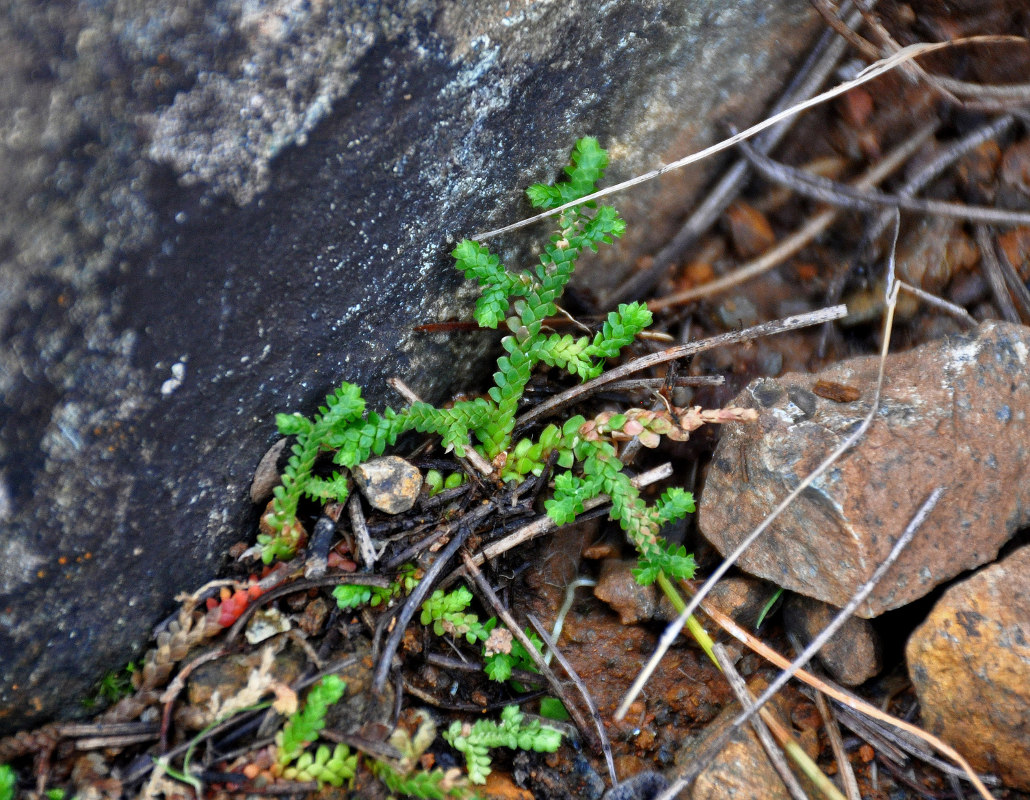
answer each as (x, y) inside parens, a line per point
(809, 231)
(595, 715)
(812, 75)
(809, 652)
(852, 605)
(871, 72)
(940, 304)
(415, 600)
(681, 351)
(745, 699)
(845, 698)
(847, 774)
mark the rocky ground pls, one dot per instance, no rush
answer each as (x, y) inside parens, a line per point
(942, 639)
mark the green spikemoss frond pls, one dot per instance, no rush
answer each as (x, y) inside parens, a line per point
(522, 301)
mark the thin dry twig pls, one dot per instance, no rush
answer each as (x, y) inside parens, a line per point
(415, 600)
(1019, 291)
(847, 774)
(940, 162)
(595, 715)
(361, 535)
(716, 745)
(1002, 271)
(546, 672)
(960, 92)
(809, 231)
(809, 79)
(858, 710)
(858, 198)
(544, 524)
(856, 600)
(471, 457)
(871, 72)
(746, 700)
(658, 383)
(940, 304)
(995, 275)
(845, 30)
(681, 351)
(850, 702)
(674, 628)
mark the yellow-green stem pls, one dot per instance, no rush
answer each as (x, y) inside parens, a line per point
(791, 747)
(696, 629)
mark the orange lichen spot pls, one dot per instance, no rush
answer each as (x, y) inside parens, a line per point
(41, 573)
(87, 555)
(62, 560)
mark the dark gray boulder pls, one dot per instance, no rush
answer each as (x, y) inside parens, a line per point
(217, 211)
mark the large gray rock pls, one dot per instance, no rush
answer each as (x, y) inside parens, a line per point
(216, 211)
(954, 413)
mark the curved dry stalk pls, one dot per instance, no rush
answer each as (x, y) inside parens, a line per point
(809, 231)
(871, 72)
(759, 724)
(844, 769)
(716, 744)
(680, 351)
(595, 715)
(843, 697)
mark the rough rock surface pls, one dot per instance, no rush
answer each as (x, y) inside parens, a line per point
(970, 665)
(954, 413)
(741, 769)
(390, 483)
(853, 654)
(617, 587)
(213, 212)
(742, 598)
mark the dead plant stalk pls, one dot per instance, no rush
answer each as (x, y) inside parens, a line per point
(871, 72)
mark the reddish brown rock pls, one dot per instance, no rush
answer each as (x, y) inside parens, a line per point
(953, 414)
(970, 665)
(742, 598)
(620, 590)
(741, 769)
(853, 654)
